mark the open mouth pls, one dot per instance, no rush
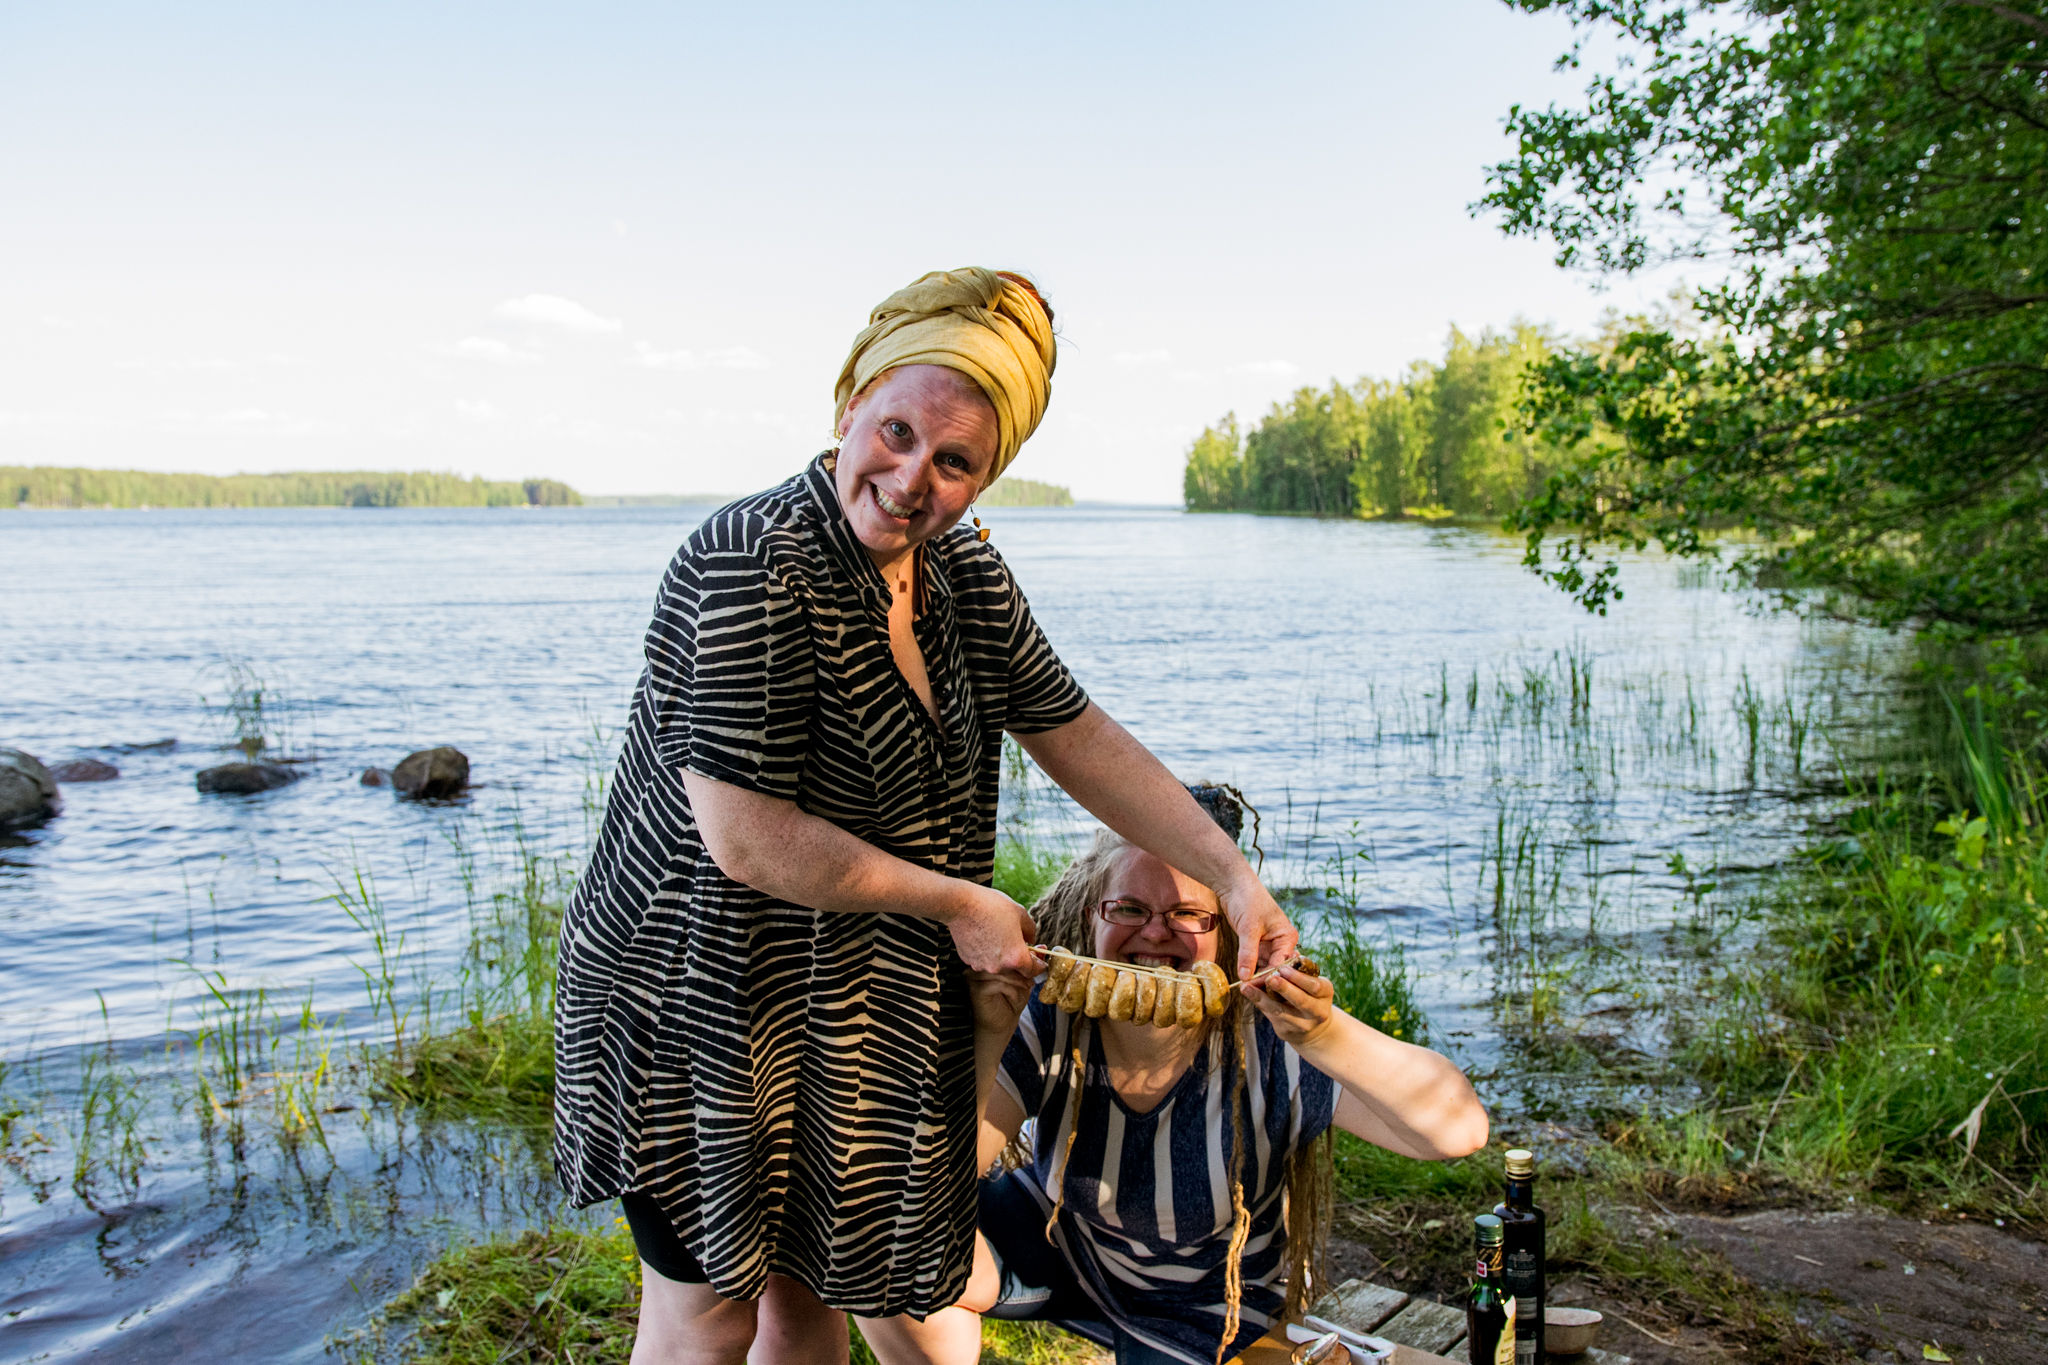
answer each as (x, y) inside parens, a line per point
(890, 507)
(1174, 961)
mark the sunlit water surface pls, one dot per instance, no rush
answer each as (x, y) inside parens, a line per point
(1394, 691)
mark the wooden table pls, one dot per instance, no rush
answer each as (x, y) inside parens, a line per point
(1423, 1331)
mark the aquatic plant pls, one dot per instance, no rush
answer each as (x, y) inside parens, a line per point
(256, 716)
(104, 1127)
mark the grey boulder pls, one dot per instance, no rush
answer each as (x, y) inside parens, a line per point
(245, 779)
(28, 794)
(85, 770)
(432, 773)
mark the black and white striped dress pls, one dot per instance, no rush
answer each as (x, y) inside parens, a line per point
(796, 1088)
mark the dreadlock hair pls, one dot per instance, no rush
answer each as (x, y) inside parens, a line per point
(1062, 919)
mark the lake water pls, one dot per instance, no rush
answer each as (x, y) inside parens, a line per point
(1395, 691)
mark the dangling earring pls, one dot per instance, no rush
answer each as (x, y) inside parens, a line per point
(980, 531)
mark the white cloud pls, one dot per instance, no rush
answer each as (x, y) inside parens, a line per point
(215, 363)
(1141, 357)
(493, 350)
(555, 311)
(731, 418)
(256, 421)
(725, 358)
(1279, 369)
(476, 410)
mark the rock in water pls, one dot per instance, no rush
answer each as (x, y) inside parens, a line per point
(437, 772)
(85, 770)
(376, 777)
(28, 794)
(245, 779)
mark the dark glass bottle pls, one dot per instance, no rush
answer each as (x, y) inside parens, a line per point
(1486, 1311)
(1522, 1255)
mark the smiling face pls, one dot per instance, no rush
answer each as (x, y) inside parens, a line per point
(915, 448)
(1138, 876)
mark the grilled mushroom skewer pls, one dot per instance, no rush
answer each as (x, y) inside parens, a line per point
(1127, 991)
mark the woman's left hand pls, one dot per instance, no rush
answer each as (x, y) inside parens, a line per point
(1299, 1006)
(1264, 933)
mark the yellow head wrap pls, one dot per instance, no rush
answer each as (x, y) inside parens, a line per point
(972, 320)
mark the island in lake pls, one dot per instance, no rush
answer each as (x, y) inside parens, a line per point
(55, 486)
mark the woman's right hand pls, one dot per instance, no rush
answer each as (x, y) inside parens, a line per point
(992, 933)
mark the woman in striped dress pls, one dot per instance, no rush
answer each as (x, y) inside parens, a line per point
(765, 1045)
(1178, 1194)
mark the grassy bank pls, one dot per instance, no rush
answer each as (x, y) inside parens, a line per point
(1894, 1037)
(561, 1294)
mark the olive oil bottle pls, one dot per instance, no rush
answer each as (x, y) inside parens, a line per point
(1522, 1255)
(1486, 1311)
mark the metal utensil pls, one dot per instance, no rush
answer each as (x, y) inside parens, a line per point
(1317, 1348)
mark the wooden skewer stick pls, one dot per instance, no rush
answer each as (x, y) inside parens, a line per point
(1256, 977)
(1044, 951)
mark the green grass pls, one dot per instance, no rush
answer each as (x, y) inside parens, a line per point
(495, 1057)
(1373, 981)
(1025, 871)
(564, 1294)
(1899, 1042)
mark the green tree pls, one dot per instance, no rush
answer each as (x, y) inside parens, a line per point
(1214, 478)
(1436, 440)
(1300, 458)
(1869, 390)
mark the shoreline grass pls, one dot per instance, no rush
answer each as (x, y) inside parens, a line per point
(560, 1293)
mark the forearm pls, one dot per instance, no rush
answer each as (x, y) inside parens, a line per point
(1120, 782)
(778, 848)
(1397, 1095)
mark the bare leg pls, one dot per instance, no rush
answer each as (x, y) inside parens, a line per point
(689, 1324)
(796, 1329)
(951, 1336)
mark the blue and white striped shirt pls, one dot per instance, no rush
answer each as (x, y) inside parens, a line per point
(1145, 1221)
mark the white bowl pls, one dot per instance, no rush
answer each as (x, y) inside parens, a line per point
(1568, 1331)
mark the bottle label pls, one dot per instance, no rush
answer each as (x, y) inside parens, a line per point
(1525, 1351)
(1521, 1269)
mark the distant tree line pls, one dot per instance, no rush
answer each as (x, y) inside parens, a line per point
(51, 486)
(1011, 491)
(1440, 440)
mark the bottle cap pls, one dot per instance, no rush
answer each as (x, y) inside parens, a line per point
(1521, 1162)
(1489, 1229)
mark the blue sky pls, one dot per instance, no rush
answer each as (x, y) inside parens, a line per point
(626, 245)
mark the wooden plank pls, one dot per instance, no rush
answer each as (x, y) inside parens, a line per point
(1457, 1355)
(1360, 1306)
(1408, 1355)
(1425, 1325)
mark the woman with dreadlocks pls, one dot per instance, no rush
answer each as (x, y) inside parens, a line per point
(1178, 1191)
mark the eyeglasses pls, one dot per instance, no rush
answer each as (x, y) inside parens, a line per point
(1132, 914)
